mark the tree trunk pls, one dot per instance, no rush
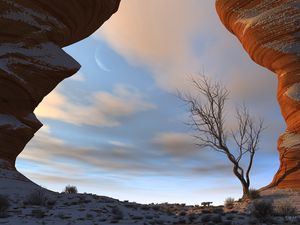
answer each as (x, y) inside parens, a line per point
(245, 185)
(245, 191)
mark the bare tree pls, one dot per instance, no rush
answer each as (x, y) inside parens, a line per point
(208, 120)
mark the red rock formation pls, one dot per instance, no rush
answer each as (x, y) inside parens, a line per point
(32, 62)
(269, 31)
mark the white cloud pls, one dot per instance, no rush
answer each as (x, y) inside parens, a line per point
(177, 38)
(158, 34)
(104, 108)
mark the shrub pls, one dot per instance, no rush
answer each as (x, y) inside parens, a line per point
(37, 213)
(262, 210)
(253, 193)
(206, 218)
(89, 216)
(70, 189)
(37, 197)
(226, 223)
(182, 213)
(218, 210)
(216, 219)
(206, 211)
(229, 203)
(284, 208)
(117, 213)
(4, 205)
(229, 217)
(51, 203)
(192, 217)
(253, 221)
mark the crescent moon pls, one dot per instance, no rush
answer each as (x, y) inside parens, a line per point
(99, 62)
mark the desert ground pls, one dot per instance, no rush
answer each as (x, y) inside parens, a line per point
(32, 205)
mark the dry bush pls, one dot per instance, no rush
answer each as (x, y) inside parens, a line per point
(229, 203)
(284, 208)
(37, 197)
(253, 193)
(70, 189)
(263, 210)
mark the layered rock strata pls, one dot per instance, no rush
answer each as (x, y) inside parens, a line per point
(32, 61)
(269, 31)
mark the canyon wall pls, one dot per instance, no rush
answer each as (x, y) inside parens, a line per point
(32, 61)
(269, 31)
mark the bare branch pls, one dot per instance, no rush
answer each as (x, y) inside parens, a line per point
(207, 119)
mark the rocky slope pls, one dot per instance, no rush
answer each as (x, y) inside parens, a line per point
(269, 31)
(32, 62)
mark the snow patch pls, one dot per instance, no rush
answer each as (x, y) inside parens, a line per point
(270, 14)
(11, 122)
(293, 92)
(286, 46)
(45, 54)
(30, 17)
(290, 140)
(31, 117)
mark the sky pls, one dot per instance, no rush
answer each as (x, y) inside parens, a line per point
(117, 128)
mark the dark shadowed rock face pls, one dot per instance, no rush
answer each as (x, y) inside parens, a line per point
(32, 62)
(269, 31)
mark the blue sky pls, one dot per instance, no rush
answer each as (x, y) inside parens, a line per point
(116, 128)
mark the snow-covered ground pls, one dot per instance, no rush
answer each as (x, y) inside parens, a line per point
(89, 209)
(32, 205)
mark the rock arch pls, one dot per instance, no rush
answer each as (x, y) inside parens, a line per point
(269, 30)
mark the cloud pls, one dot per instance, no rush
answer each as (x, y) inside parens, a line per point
(52, 152)
(158, 34)
(80, 180)
(46, 151)
(103, 108)
(59, 179)
(114, 163)
(176, 38)
(215, 169)
(120, 144)
(176, 144)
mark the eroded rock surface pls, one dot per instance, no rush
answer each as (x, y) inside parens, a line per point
(32, 61)
(269, 31)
